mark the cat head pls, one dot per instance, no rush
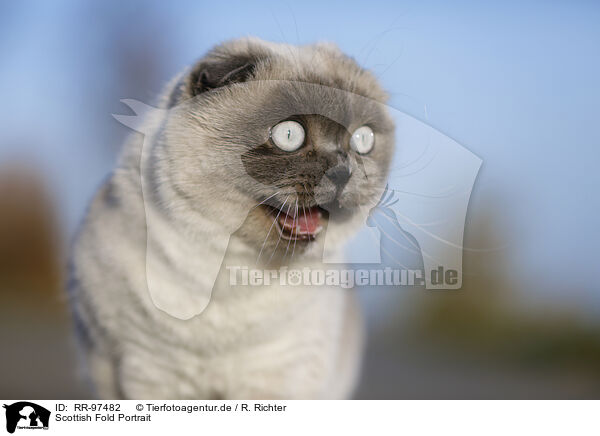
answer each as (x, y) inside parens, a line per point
(290, 138)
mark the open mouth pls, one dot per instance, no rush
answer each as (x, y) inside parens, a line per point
(303, 224)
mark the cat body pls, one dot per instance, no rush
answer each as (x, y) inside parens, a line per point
(209, 177)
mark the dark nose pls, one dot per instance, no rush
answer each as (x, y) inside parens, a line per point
(339, 175)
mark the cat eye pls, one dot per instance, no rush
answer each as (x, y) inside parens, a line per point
(362, 140)
(288, 135)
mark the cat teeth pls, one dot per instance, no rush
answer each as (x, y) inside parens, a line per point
(293, 232)
(313, 233)
(303, 224)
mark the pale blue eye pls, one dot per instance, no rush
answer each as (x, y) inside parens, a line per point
(288, 135)
(362, 140)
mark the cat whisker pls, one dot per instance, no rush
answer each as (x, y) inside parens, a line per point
(296, 238)
(309, 210)
(424, 225)
(290, 240)
(304, 213)
(287, 214)
(265, 200)
(271, 228)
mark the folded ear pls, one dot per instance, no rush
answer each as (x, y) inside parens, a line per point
(214, 73)
(232, 62)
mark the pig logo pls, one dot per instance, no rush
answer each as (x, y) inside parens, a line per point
(26, 415)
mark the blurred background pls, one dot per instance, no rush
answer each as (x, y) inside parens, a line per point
(517, 83)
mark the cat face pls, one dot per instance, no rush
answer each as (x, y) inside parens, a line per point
(292, 138)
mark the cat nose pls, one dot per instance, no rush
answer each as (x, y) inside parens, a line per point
(339, 175)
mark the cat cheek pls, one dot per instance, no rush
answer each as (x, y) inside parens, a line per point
(355, 190)
(325, 192)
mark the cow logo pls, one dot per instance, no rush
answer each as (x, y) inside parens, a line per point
(26, 415)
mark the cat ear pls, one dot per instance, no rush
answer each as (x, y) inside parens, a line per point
(215, 73)
(231, 62)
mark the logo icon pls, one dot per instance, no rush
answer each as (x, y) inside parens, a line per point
(423, 209)
(26, 415)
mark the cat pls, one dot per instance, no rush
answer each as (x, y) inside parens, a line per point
(262, 149)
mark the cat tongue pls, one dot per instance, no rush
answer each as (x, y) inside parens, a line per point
(307, 222)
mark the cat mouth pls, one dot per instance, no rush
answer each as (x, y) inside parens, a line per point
(303, 224)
